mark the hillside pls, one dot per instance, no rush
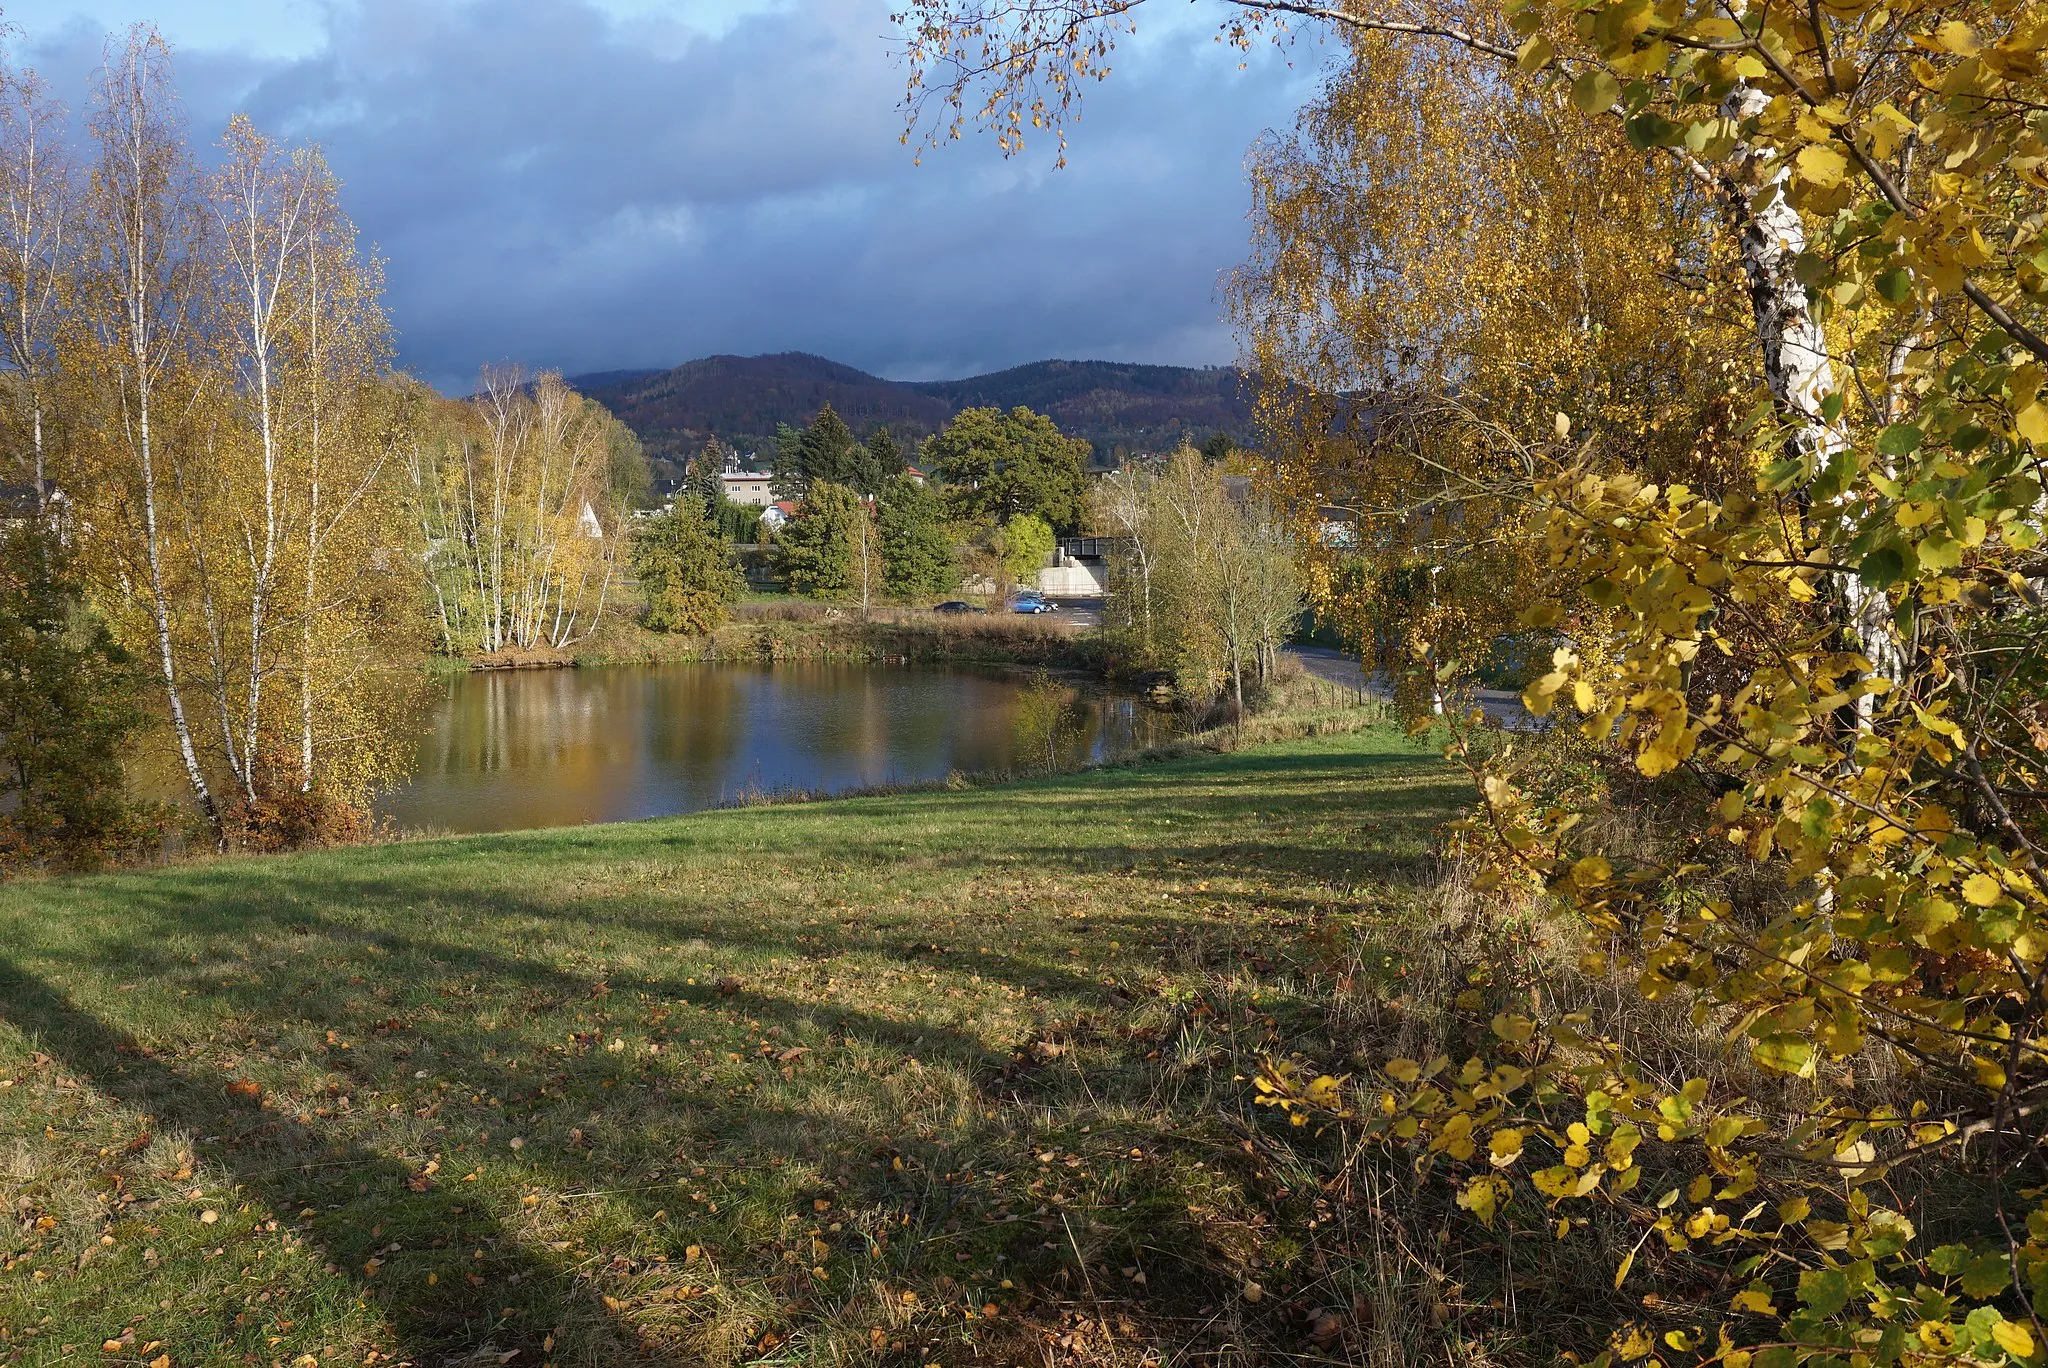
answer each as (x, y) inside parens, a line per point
(1138, 408)
(742, 398)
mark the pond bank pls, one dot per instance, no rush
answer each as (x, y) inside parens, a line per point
(796, 631)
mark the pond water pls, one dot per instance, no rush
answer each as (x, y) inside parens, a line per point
(508, 750)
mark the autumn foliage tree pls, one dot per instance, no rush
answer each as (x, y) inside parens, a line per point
(209, 388)
(1801, 620)
(518, 507)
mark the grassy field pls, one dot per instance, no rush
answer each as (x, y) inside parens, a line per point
(950, 1077)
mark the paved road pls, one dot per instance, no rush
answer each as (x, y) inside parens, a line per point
(1339, 668)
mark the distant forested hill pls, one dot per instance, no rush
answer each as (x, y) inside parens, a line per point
(1138, 408)
(742, 398)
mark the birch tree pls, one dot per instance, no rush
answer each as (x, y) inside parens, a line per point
(220, 365)
(518, 514)
(262, 208)
(140, 268)
(38, 203)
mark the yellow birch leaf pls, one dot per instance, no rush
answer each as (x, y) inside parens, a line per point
(1982, 890)
(2014, 1338)
(2032, 423)
(1821, 166)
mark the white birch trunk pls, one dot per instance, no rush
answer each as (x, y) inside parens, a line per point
(1797, 366)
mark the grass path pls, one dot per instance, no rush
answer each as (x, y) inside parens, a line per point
(943, 1077)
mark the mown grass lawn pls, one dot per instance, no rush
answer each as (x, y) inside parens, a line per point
(944, 1077)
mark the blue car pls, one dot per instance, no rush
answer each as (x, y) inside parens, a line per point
(1032, 602)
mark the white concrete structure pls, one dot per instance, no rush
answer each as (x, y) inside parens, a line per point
(1078, 567)
(1069, 578)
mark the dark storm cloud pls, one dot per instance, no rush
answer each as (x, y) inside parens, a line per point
(552, 186)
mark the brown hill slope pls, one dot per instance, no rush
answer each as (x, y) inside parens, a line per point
(742, 398)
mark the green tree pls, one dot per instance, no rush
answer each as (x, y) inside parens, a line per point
(786, 466)
(628, 475)
(69, 701)
(827, 451)
(883, 463)
(685, 569)
(830, 450)
(1027, 541)
(738, 523)
(917, 545)
(821, 545)
(704, 481)
(997, 465)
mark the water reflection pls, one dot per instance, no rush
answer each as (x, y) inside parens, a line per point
(511, 750)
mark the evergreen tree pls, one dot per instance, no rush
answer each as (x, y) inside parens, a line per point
(820, 544)
(704, 481)
(69, 701)
(685, 569)
(789, 478)
(830, 452)
(881, 461)
(997, 465)
(917, 545)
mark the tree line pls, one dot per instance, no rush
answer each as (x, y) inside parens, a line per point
(997, 490)
(1202, 582)
(233, 517)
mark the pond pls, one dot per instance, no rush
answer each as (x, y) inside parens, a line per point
(508, 750)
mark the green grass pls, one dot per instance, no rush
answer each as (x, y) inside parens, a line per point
(939, 1077)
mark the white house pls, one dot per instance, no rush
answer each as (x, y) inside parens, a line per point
(746, 487)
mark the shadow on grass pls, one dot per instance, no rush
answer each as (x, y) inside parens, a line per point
(423, 954)
(272, 1158)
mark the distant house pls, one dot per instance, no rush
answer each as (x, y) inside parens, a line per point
(587, 523)
(777, 513)
(915, 475)
(746, 487)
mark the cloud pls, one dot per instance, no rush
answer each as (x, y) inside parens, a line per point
(587, 184)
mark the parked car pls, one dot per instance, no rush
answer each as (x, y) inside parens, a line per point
(955, 606)
(1033, 602)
